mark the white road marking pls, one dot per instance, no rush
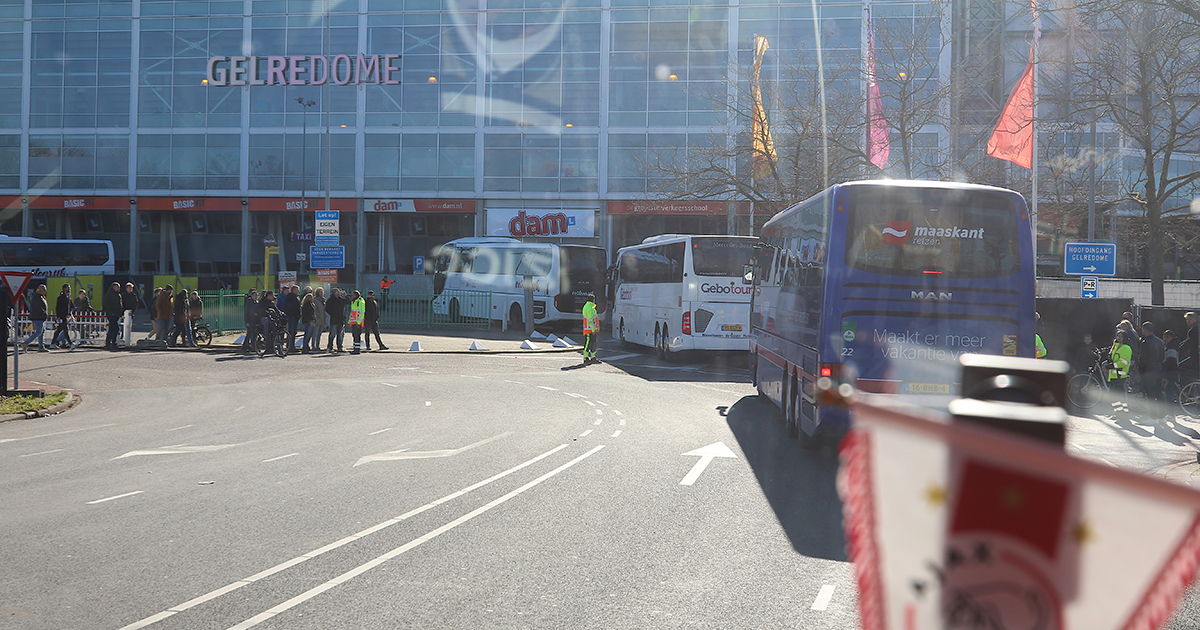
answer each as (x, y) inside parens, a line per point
(42, 453)
(590, 403)
(575, 395)
(229, 588)
(603, 403)
(275, 459)
(380, 431)
(599, 412)
(239, 408)
(586, 433)
(471, 376)
(388, 384)
(622, 356)
(622, 421)
(363, 568)
(616, 412)
(186, 426)
(405, 454)
(34, 437)
(598, 421)
(428, 403)
(514, 382)
(706, 455)
(119, 496)
(178, 449)
(549, 389)
(823, 597)
(616, 433)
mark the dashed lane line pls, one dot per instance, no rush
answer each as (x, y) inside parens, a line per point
(586, 433)
(616, 433)
(823, 597)
(275, 459)
(41, 453)
(119, 496)
(34, 437)
(380, 431)
(186, 426)
(388, 384)
(229, 588)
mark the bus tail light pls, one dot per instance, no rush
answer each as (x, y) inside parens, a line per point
(687, 322)
(831, 370)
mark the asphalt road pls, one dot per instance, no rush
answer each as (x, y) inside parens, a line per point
(389, 490)
(207, 490)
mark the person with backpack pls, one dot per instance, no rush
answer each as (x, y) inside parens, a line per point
(62, 310)
(335, 307)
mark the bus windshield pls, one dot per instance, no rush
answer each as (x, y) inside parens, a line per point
(914, 231)
(720, 257)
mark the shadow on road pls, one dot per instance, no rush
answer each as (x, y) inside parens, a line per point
(799, 484)
(685, 367)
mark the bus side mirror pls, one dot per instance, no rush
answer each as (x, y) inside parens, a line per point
(748, 274)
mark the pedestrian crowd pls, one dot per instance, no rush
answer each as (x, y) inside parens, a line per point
(117, 303)
(269, 314)
(1140, 362)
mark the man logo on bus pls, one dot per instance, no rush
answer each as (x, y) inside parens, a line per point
(896, 232)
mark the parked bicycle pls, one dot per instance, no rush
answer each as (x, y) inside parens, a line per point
(1189, 399)
(1085, 390)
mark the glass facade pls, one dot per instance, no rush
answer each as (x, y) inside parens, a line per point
(515, 103)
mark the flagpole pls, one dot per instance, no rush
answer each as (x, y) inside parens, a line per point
(1037, 38)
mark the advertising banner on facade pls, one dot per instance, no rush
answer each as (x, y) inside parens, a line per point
(419, 205)
(541, 222)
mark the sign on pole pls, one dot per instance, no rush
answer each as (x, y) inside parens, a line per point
(327, 276)
(322, 257)
(1089, 286)
(328, 229)
(16, 281)
(418, 265)
(1089, 259)
(269, 240)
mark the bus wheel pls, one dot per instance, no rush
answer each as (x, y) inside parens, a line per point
(665, 353)
(514, 317)
(791, 417)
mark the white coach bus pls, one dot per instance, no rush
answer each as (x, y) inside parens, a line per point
(682, 292)
(467, 270)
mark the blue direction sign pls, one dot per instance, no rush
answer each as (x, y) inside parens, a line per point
(1089, 286)
(320, 257)
(1090, 259)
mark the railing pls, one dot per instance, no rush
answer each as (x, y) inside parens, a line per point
(224, 310)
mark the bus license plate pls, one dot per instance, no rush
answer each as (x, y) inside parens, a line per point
(732, 327)
(928, 388)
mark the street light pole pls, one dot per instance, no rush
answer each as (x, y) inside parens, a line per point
(303, 164)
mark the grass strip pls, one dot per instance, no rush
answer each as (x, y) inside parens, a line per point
(17, 404)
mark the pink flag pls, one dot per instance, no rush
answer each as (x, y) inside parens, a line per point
(1012, 139)
(954, 526)
(878, 143)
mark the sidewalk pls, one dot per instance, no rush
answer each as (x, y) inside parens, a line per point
(437, 342)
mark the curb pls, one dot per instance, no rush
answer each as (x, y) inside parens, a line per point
(71, 400)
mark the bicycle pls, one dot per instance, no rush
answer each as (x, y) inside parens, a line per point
(201, 333)
(1085, 390)
(276, 341)
(1189, 399)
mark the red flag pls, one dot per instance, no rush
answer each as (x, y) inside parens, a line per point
(878, 144)
(760, 132)
(1013, 138)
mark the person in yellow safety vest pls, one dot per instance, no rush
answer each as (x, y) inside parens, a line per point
(358, 314)
(1121, 354)
(591, 326)
(1039, 350)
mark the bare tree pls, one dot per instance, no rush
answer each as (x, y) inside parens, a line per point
(1140, 71)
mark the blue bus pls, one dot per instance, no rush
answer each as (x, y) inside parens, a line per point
(884, 283)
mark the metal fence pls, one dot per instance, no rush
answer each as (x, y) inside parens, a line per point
(224, 310)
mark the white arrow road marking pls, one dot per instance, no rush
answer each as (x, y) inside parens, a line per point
(405, 454)
(178, 449)
(823, 597)
(706, 456)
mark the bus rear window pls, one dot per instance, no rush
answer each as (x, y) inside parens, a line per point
(720, 257)
(915, 232)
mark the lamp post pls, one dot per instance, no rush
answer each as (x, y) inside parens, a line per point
(303, 163)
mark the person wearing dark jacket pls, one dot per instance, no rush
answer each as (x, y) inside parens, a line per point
(372, 322)
(182, 321)
(335, 308)
(290, 305)
(251, 317)
(112, 310)
(308, 314)
(62, 310)
(38, 308)
(1150, 362)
